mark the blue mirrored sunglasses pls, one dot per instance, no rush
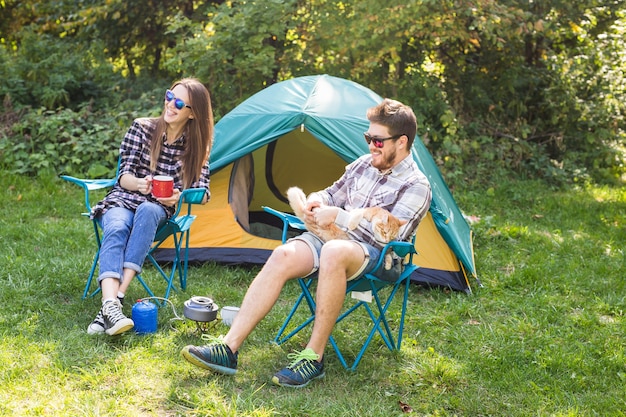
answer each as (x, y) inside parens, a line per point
(178, 103)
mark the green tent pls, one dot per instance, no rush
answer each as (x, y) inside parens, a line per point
(302, 132)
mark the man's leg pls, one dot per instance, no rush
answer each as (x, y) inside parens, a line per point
(339, 259)
(291, 260)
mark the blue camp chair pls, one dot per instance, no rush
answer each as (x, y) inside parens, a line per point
(370, 284)
(177, 227)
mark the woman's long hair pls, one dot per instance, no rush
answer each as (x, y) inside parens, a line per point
(198, 132)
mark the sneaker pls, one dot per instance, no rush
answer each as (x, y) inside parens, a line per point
(304, 369)
(115, 322)
(97, 325)
(215, 356)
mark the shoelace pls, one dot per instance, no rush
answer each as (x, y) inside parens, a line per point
(211, 339)
(114, 314)
(100, 317)
(307, 354)
(219, 350)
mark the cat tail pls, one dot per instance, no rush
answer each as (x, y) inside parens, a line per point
(297, 201)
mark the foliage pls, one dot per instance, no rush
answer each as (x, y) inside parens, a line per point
(81, 142)
(42, 72)
(238, 52)
(58, 141)
(532, 88)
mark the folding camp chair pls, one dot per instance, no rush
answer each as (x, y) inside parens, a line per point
(177, 227)
(363, 288)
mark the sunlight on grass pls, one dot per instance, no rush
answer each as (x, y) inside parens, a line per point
(544, 336)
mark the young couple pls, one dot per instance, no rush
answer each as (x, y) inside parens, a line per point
(386, 177)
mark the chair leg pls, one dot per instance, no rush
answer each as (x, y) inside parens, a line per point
(379, 321)
(92, 272)
(176, 267)
(145, 286)
(96, 257)
(305, 294)
(183, 276)
(405, 301)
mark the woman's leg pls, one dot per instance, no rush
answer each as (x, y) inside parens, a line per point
(148, 217)
(117, 224)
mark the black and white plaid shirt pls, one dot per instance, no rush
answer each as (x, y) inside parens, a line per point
(135, 160)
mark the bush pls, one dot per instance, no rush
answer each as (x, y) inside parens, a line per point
(61, 141)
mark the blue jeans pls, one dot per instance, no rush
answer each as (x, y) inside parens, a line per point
(127, 237)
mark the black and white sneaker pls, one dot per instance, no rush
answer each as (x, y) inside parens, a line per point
(97, 325)
(115, 322)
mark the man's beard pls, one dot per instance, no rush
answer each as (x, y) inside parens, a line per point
(387, 162)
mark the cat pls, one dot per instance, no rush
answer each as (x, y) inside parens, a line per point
(385, 225)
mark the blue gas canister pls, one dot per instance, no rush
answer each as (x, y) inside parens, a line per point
(144, 315)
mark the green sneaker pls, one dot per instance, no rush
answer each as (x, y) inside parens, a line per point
(215, 356)
(303, 369)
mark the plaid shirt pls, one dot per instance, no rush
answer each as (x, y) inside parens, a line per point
(135, 160)
(404, 191)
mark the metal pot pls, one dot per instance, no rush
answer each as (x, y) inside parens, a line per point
(201, 309)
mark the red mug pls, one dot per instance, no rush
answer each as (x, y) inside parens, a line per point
(162, 186)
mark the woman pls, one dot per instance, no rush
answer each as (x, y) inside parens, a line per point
(176, 144)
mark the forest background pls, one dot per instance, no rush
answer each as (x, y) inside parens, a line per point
(517, 88)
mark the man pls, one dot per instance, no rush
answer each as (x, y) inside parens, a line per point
(387, 177)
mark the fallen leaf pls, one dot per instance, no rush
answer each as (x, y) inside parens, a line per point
(405, 407)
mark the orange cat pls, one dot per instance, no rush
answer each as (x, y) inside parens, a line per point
(385, 226)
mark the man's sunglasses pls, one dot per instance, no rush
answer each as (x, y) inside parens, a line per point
(178, 103)
(379, 142)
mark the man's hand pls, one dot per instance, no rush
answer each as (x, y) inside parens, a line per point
(325, 216)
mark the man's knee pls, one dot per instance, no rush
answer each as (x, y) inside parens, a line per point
(293, 258)
(336, 251)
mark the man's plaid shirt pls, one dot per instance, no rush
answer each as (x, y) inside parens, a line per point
(404, 191)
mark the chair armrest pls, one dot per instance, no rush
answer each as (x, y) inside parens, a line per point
(402, 249)
(289, 220)
(193, 195)
(190, 196)
(90, 185)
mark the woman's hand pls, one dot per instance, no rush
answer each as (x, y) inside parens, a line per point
(170, 201)
(144, 185)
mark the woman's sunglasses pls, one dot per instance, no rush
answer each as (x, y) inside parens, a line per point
(178, 103)
(379, 142)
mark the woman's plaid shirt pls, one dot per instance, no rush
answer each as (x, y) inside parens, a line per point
(135, 160)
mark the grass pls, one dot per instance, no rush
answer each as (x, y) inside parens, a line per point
(545, 336)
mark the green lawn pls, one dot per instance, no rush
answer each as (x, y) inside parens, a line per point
(545, 336)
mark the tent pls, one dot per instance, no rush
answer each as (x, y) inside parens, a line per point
(303, 132)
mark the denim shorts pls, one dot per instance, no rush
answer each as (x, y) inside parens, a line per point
(315, 244)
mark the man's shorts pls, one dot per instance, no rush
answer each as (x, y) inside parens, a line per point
(315, 244)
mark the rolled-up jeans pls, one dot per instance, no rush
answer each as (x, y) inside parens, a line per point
(127, 237)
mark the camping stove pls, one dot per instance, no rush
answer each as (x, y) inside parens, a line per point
(202, 310)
